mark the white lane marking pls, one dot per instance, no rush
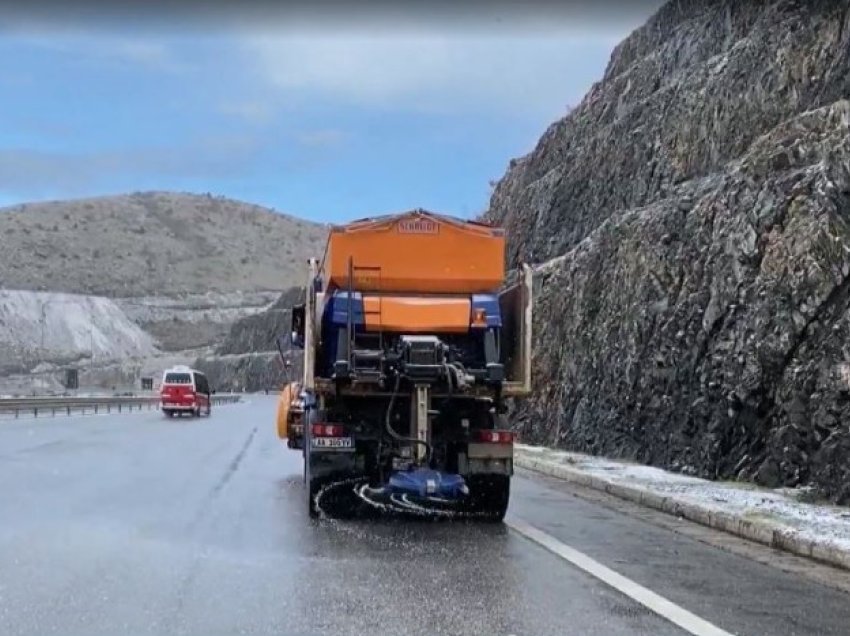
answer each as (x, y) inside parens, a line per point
(649, 599)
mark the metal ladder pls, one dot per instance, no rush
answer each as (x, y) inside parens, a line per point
(366, 349)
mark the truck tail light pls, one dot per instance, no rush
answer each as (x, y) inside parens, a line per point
(495, 437)
(479, 318)
(327, 430)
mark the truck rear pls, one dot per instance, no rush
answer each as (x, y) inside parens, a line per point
(412, 342)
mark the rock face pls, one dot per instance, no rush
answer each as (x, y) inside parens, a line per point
(247, 372)
(193, 320)
(690, 222)
(248, 357)
(260, 331)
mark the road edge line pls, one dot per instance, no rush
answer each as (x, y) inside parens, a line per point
(772, 535)
(656, 603)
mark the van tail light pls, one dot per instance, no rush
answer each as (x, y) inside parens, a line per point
(327, 430)
(495, 437)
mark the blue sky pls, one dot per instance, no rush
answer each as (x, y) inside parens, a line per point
(329, 121)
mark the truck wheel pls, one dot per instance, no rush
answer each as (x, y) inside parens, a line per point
(490, 495)
(169, 413)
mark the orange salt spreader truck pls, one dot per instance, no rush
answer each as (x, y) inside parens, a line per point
(412, 340)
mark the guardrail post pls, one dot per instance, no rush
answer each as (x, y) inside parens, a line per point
(35, 411)
(95, 409)
(119, 407)
(69, 410)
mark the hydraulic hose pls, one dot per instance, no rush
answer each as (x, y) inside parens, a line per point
(396, 436)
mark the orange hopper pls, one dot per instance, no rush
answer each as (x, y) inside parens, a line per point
(416, 253)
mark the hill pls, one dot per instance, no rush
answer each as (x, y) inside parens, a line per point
(153, 244)
(691, 224)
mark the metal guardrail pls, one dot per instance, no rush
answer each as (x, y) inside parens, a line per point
(51, 406)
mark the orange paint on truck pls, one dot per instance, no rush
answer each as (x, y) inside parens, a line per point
(287, 410)
(416, 253)
(417, 314)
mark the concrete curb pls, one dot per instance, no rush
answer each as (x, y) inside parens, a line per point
(773, 535)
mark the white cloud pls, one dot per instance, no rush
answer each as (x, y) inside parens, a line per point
(26, 172)
(251, 111)
(321, 138)
(146, 53)
(103, 48)
(535, 73)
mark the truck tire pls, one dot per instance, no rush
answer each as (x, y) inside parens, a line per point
(169, 413)
(490, 495)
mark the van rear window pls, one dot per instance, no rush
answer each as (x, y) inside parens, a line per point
(178, 378)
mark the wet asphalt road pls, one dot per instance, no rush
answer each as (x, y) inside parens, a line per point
(135, 524)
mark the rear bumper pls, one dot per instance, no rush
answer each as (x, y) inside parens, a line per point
(178, 407)
(488, 459)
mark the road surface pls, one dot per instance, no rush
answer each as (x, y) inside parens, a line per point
(135, 524)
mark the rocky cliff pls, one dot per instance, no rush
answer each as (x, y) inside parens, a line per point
(248, 357)
(260, 331)
(690, 222)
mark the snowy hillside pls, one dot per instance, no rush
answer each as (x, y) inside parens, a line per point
(44, 326)
(153, 243)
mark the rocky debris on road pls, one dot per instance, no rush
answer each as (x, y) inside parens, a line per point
(690, 220)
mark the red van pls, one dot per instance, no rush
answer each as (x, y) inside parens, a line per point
(185, 390)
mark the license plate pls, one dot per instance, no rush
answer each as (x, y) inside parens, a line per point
(333, 442)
